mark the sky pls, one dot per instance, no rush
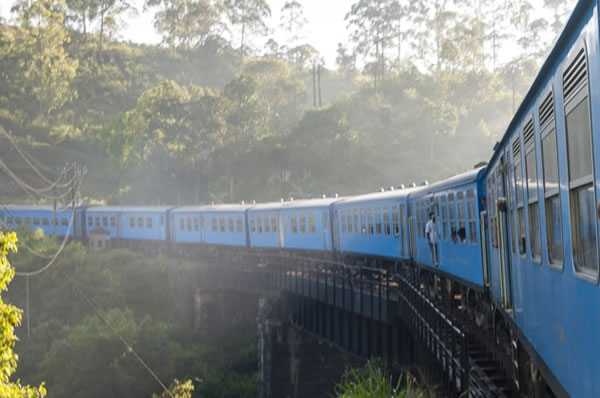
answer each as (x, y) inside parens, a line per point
(326, 26)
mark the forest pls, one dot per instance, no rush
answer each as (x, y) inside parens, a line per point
(421, 90)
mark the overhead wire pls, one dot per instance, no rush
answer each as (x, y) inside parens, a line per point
(27, 160)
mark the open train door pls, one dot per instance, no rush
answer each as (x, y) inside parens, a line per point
(502, 187)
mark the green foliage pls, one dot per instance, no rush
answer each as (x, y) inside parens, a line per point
(373, 381)
(10, 317)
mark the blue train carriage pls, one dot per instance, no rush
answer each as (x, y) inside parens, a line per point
(266, 226)
(187, 225)
(456, 204)
(374, 225)
(126, 225)
(40, 217)
(542, 187)
(224, 225)
(307, 226)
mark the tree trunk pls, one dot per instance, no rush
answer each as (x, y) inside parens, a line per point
(101, 32)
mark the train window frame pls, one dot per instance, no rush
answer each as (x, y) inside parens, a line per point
(532, 185)
(521, 228)
(45, 221)
(472, 217)
(293, 223)
(355, 221)
(444, 216)
(252, 224)
(140, 222)
(349, 221)
(403, 228)
(222, 225)
(230, 227)
(312, 226)
(571, 103)
(386, 221)
(64, 221)
(274, 223)
(239, 225)
(10, 220)
(302, 219)
(149, 222)
(113, 221)
(188, 223)
(90, 221)
(182, 223)
(18, 220)
(105, 221)
(36, 221)
(266, 224)
(196, 223)
(395, 221)
(452, 218)
(377, 217)
(461, 217)
(325, 218)
(370, 222)
(343, 216)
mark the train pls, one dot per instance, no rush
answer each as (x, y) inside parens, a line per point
(516, 238)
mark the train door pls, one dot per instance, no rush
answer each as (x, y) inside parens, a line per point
(502, 182)
(281, 231)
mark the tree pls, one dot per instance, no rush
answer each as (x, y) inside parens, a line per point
(185, 23)
(250, 15)
(82, 11)
(292, 21)
(10, 317)
(109, 11)
(47, 69)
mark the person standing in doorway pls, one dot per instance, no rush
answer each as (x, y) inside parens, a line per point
(430, 232)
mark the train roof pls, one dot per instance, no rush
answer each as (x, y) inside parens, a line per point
(130, 209)
(554, 59)
(295, 204)
(467, 177)
(396, 194)
(9, 208)
(204, 208)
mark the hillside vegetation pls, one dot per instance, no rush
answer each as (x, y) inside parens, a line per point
(206, 117)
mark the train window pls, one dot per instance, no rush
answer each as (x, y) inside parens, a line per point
(132, 222)
(472, 216)
(462, 231)
(188, 223)
(196, 223)
(325, 216)
(535, 240)
(343, 212)
(140, 222)
(222, 223)
(266, 224)
(230, 223)
(64, 221)
(363, 224)
(302, 223)
(55, 221)
(581, 169)
(252, 224)
(452, 222)
(45, 221)
(378, 220)
(214, 226)
(520, 192)
(259, 224)
(105, 221)
(36, 221)
(444, 216)
(239, 224)
(273, 223)
(90, 221)
(355, 221)
(311, 223)
(9, 220)
(97, 220)
(370, 227)
(404, 236)
(27, 220)
(395, 221)
(294, 224)
(18, 220)
(386, 220)
(112, 221)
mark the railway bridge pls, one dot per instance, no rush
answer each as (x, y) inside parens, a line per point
(371, 312)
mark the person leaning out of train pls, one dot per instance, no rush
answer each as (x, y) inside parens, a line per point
(431, 238)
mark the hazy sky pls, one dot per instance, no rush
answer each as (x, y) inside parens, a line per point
(326, 26)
